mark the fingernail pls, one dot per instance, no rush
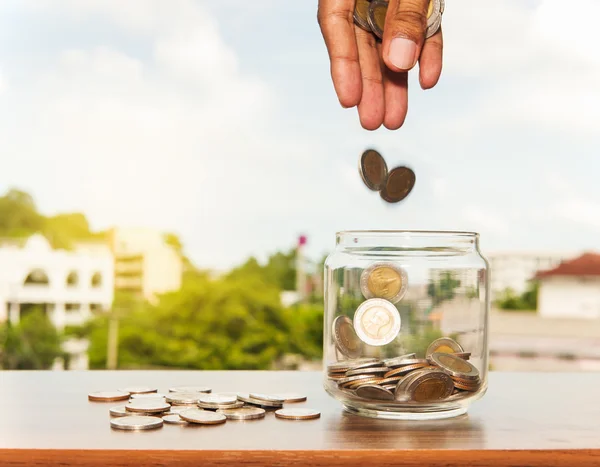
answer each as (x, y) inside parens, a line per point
(403, 53)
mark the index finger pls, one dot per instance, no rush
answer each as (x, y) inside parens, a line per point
(336, 19)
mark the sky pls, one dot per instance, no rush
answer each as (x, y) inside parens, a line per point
(218, 121)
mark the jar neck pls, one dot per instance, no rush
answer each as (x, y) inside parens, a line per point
(408, 240)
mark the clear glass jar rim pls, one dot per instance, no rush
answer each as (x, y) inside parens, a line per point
(425, 233)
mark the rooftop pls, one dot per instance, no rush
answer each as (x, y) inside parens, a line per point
(587, 264)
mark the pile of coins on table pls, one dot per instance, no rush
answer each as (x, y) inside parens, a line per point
(370, 16)
(445, 374)
(146, 409)
(394, 185)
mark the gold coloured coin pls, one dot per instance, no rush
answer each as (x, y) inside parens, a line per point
(297, 414)
(455, 366)
(361, 10)
(384, 280)
(136, 423)
(404, 370)
(346, 340)
(108, 396)
(444, 345)
(398, 185)
(372, 167)
(376, 16)
(203, 417)
(430, 386)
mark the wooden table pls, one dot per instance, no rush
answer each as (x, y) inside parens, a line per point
(533, 419)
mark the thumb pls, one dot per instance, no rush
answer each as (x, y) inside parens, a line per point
(404, 33)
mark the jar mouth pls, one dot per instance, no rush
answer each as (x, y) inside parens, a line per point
(403, 241)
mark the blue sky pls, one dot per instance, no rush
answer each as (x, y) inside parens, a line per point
(218, 120)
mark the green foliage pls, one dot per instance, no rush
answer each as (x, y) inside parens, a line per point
(419, 341)
(280, 270)
(509, 300)
(33, 344)
(444, 288)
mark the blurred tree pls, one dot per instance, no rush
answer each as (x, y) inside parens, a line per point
(33, 344)
(444, 288)
(527, 301)
(18, 214)
(279, 271)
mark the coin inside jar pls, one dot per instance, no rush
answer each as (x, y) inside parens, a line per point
(384, 280)
(346, 340)
(430, 386)
(377, 322)
(373, 169)
(399, 184)
(455, 366)
(444, 345)
(373, 391)
(376, 16)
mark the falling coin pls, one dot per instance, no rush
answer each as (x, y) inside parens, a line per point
(361, 10)
(377, 322)
(399, 184)
(297, 414)
(376, 16)
(136, 422)
(346, 340)
(174, 419)
(108, 396)
(384, 280)
(443, 345)
(373, 169)
(245, 413)
(203, 417)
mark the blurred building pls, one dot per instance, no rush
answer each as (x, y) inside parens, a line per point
(512, 270)
(69, 286)
(572, 289)
(145, 264)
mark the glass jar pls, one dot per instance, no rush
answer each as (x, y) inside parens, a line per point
(406, 318)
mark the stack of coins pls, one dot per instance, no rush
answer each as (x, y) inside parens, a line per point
(393, 186)
(370, 15)
(147, 409)
(444, 375)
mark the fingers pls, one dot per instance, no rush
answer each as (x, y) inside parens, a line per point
(371, 108)
(430, 62)
(396, 98)
(337, 26)
(404, 33)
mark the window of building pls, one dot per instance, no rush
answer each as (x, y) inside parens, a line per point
(96, 308)
(96, 279)
(72, 279)
(37, 277)
(72, 307)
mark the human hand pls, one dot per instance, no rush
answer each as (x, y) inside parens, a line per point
(373, 75)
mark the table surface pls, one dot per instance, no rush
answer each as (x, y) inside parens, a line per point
(525, 418)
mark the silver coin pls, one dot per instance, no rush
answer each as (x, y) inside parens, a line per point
(151, 395)
(367, 371)
(217, 399)
(351, 379)
(372, 168)
(235, 405)
(147, 406)
(139, 390)
(119, 411)
(177, 409)
(435, 18)
(266, 397)
(384, 280)
(245, 397)
(183, 397)
(136, 422)
(377, 322)
(193, 389)
(345, 365)
(108, 396)
(389, 387)
(345, 338)
(398, 361)
(444, 345)
(202, 417)
(297, 414)
(289, 397)
(361, 10)
(373, 391)
(398, 185)
(245, 413)
(174, 419)
(455, 366)
(376, 363)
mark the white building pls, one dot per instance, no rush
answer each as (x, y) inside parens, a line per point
(512, 269)
(69, 286)
(572, 289)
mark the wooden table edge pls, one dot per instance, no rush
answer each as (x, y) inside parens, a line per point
(329, 458)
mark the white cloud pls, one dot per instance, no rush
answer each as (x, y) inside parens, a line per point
(484, 220)
(580, 211)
